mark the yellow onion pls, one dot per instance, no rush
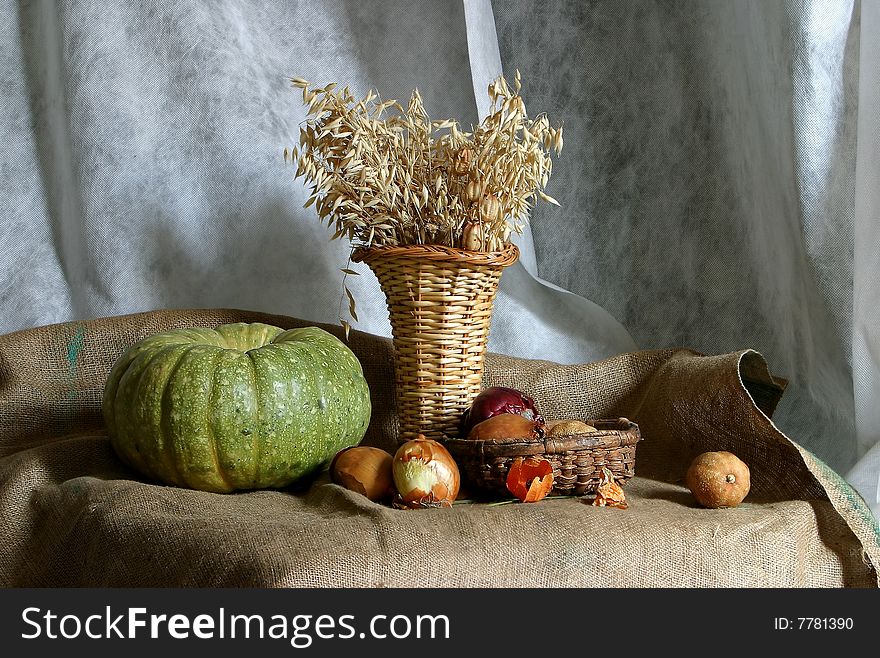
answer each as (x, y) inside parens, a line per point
(365, 470)
(425, 475)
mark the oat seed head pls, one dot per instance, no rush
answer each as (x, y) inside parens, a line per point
(382, 175)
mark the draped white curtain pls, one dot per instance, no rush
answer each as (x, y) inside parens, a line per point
(719, 181)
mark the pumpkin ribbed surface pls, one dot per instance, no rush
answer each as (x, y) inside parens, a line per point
(243, 406)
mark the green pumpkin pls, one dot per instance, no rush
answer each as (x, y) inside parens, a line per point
(243, 406)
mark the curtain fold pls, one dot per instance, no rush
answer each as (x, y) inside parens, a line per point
(865, 475)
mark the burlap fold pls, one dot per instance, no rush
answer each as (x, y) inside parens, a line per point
(73, 515)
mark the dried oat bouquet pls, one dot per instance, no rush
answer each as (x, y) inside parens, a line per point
(384, 175)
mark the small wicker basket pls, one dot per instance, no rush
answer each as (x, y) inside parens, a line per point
(577, 459)
(440, 304)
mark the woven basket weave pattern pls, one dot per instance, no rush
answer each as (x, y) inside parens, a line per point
(577, 460)
(440, 303)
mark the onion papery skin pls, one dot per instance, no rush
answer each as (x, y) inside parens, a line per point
(425, 475)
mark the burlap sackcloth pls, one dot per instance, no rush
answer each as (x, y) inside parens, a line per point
(73, 515)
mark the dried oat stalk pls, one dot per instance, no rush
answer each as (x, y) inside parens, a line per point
(382, 174)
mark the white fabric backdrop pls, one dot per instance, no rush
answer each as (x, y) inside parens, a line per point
(719, 182)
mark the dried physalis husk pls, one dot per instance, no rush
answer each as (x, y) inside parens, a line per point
(530, 479)
(462, 163)
(472, 237)
(609, 493)
(490, 209)
(473, 190)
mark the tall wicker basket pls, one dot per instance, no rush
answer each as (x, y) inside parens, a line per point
(440, 302)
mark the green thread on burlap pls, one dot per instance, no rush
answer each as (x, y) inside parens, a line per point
(857, 503)
(74, 349)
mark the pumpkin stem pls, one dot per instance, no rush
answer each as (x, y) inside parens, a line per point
(731, 478)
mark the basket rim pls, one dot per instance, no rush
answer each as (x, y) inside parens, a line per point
(610, 434)
(440, 253)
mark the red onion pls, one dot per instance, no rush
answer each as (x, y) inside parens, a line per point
(498, 400)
